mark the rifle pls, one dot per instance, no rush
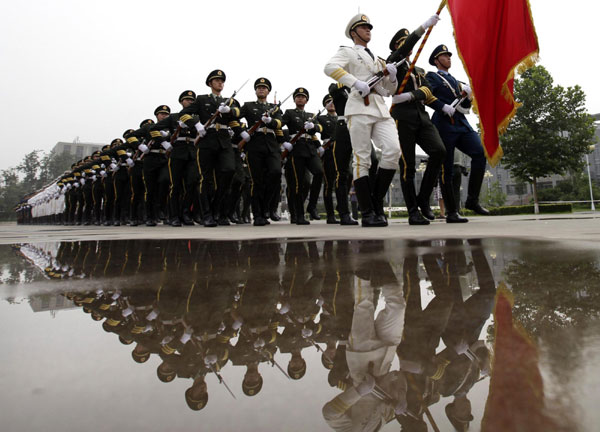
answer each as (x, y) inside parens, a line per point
(213, 117)
(256, 125)
(270, 359)
(378, 77)
(212, 368)
(300, 133)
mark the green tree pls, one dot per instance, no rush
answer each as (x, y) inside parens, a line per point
(551, 132)
(55, 164)
(30, 168)
(493, 195)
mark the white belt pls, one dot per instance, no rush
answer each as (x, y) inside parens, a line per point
(305, 136)
(325, 141)
(123, 164)
(265, 130)
(342, 118)
(218, 126)
(158, 151)
(184, 139)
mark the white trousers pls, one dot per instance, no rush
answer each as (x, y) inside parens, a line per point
(383, 132)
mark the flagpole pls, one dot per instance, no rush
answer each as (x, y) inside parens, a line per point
(414, 62)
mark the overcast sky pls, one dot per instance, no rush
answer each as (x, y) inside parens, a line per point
(94, 69)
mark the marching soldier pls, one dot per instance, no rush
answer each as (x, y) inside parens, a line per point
(108, 184)
(215, 154)
(414, 126)
(263, 155)
(456, 132)
(136, 178)
(156, 171)
(182, 166)
(303, 156)
(368, 116)
(338, 151)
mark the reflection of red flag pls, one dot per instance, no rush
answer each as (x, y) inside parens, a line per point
(493, 38)
(516, 396)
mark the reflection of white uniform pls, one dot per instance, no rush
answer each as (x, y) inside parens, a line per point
(366, 122)
(371, 348)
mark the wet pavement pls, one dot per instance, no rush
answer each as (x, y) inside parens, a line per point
(278, 335)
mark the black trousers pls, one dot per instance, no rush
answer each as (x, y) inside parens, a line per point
(183, 178)
(303, 159)
(122, 194)
(137, 191)
(264, 167)
(216, 165)
(156, 181)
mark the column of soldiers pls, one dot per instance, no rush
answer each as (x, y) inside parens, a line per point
(194, 166)
(215, 306)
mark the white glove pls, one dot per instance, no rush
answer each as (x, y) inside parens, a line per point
(467, 89)
(288, 146)
(245, 136)
(186, 336)
(392, 70)
(236, 324)
(284, 308)
(130, 162)
(431, 21)
(102, 166)
(152, 315)
(266, 119)
(103, 173)
(93, 171)
(69, 186)
(200, 129)
(166, 145)
(461, 347)
(367, 386)
(82, 181)
(448, 110)
(93, 178)
(320, 301)
(320, 151)
(210, 359)
(143, 148)
(127, 312)
(259, 343)
(114, 166)
(306, 333)
(224, 109)
(243, 156)
(309, 125)
(181, 124)
(164, 133)
(402, 97)
(76, 185)
(362, 88)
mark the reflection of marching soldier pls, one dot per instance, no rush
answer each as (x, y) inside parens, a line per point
(215, 154)
(303, 156)
(262, 151)
(368, 117)
(182, 166)
(414, 126)
(456, 132)
(370, 351)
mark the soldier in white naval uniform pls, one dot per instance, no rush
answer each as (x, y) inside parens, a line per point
(353, 66)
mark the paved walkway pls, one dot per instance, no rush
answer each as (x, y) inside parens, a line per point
(583, 228)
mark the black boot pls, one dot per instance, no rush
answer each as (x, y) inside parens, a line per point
(185, 218)
(176, 222)
(328, 200)
(410, 198)
(299, 207)
(346, 219)
(363, 195)
(314, 214)
(475, 180)
(382, 183)
(452, 215)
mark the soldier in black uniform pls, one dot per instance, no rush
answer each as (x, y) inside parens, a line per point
(97, 187)
(414, 126)
(86, 190)
(338, 153)
(182, 166)
(136, 177)
(215, 154)
(156, 170)
(121, 181)
(108, 186)
(303, 155)
(263, 155)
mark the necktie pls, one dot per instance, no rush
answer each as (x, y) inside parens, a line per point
(370, 53)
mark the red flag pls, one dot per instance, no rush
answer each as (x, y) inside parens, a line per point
(493, 38)
(516, 397)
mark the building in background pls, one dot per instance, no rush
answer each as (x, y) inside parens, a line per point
(76, 148)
